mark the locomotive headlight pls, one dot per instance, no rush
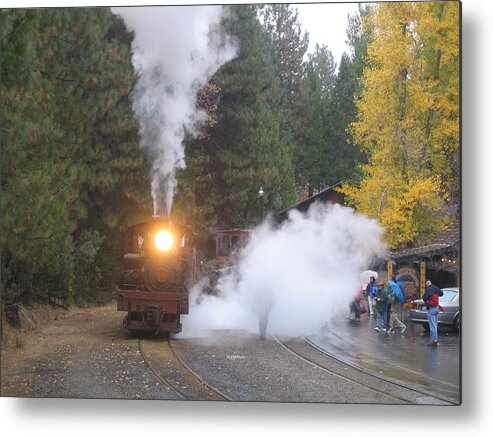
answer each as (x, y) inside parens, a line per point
(163, 241)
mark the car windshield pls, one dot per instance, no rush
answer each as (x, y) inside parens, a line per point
(448, 295)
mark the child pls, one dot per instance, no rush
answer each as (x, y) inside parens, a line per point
(371, 292)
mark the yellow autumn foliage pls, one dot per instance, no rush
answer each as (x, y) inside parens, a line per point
(408, 120)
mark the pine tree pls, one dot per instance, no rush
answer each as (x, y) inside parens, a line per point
(290, 45)
(313, 161)
(242, 151)
(37, 179)
(71, 168)
(347, 155)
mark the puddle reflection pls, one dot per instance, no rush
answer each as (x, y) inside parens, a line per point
(405, 357)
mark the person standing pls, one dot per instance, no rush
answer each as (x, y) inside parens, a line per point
(371, 293)
(381, 304)
(263, 303)
(431, 298)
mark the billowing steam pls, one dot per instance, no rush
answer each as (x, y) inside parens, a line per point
(306, 272)
(176, 49)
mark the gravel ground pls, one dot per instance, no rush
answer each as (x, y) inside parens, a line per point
(248, 369)
(85, 353)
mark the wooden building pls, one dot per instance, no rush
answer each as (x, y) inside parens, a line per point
(439, 261)
(326, 195)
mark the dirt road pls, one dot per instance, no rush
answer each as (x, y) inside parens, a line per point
(86, 353)
(81, 353)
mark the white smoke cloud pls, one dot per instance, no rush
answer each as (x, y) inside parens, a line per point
(308, 269)
(175, 50)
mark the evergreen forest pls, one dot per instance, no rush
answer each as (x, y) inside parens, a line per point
(382, 121)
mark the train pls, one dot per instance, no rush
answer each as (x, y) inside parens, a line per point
(228, 243)
(159, 268)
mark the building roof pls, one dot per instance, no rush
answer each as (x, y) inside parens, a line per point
(445, 241)
(306, 203)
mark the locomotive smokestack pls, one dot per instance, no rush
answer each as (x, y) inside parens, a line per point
(161, 214)
(162, 199)
(176, 49)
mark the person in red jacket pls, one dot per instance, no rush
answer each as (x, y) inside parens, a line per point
(431, 297)
(355, 306)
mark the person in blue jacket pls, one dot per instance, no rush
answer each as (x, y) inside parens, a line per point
(396, 297)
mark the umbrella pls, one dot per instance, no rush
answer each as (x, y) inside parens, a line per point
(365, 276)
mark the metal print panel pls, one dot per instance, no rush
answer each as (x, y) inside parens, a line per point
(233, 203)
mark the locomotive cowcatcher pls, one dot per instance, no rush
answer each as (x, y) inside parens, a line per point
(158, 270)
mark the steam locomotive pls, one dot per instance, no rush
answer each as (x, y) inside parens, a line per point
(159, 267)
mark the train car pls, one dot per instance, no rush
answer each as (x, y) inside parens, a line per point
(159, 264)
(228, 243)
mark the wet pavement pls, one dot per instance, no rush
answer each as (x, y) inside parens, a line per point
(406, 358)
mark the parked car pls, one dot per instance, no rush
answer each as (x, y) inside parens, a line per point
(448, 310)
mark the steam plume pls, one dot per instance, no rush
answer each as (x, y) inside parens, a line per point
(176, 49)
(308, 271)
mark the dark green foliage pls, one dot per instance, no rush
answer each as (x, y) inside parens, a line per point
(314, 151)
(347, 88)
(322, 64)
(342, 112)
(326, 153)
(242, 150)
(290, 45)
(89, 269)
(72, 172)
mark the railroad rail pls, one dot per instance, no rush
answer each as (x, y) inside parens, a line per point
(203, 389)
(357, 375)
(443, 383)
(198, 377)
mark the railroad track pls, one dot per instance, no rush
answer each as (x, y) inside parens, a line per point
(332, 365)
(437, 379)
(174, 373)
(167, 366)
